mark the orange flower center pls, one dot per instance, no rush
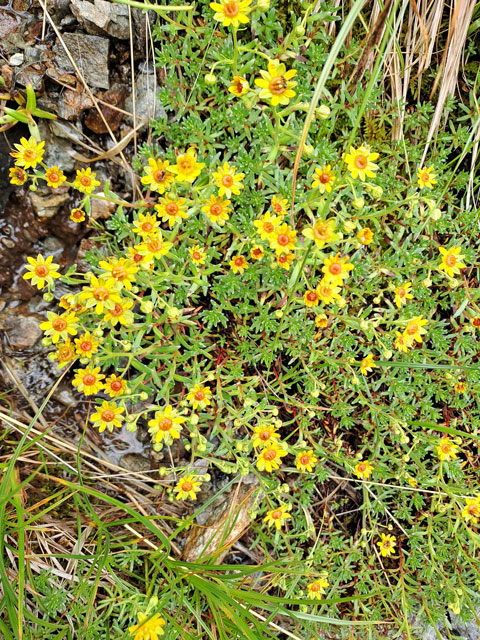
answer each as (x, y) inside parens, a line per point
(77, 213)
(270, 454)
(316, 586)
(59, 324)
(215, 209)
(386, 544)
(41, 271)
(446, 448)
(362, 467)
(199, 396)
(117, 310)
(239, 87)
(239, 262)
(425, 177)
(264, 435)
(187, 486)
(324, 178)
(147, 226)
(85, 181)
(283, 239)
(277, 514)
(476, 322)
(165, 424)
(29, 154)
(361, 161)
(108, 415)
(196, 255)
(101, 294)
(89, 380)
(65, 353)
(257, 252)
(119, 272)
(282, 258)
(304, 459)
(321, 231)
(268, 227)
(137, 257)
(53, 177)
(155, 245)
(159, 175)
(401, 293)
(451, 260)
(231, 8)
(187, 164)
(277, 85)
(227, 180)
(412, 329)
(312, 296)
(335, 268)
(278, 207)
(116, 385)
(171, 209)
(473, 509)
(86, 345)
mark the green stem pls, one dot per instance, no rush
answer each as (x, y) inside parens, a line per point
(235, 50)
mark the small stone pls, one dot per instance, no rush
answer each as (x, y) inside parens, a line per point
(101, 208)
(101, 17)
(91, 57)
(93, 119)
(72, 103)
(22, 332)
(16, 60)
(47, 206)
(147, 104)
(134, 462)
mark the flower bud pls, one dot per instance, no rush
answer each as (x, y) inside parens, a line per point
(299, 30)
(144, 396)
(322, 111)
(46, 342)
(48, 296)
(210, 79)
(427, 283)
(279, 313)
(146, 306)
(358, 203)
(308, 150)
(173, 313)
(98, 333)
(131, 426)
(349, 226)
(263, 5)
(387, 354)
(377, 192)
(436, 214)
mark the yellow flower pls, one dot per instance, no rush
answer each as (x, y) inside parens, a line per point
(88, 380)
(283, 239)
(321, 321)
(148, 627)
(77, 215)
(266, 225)
(85, 180)
(238, 86)
(426, 177)
(306, 460)
(41, 271)
(310, 298)
(227, 181)
(327, 292)
(17, 176)
(278, 516)
(276, 83)
(363, 469)
(451, 261)
(65, 353)
(107, 416)
(323, 179)
(101, 294)
(367, 365)
(400, 342)
(60, 326)
(460, 387)
(336, 269)
(402, 294)
(232, 12)
(322, 232)
(446, 449)
(285, 260)
(146, 225)
(387, 545)
(317, 588)
(238, 264)
(197, 254)
(120, 312)
(55, 177)
(158, 175)
(365, 236)
(154, 247)
(115, 386)
(471, 510)
(28, 153)
(166, 424)
(279, 206)
(199, 396)
(360, 162)
(187, 487)
(414, 330)
(270, 457)
(256, 252)
(217, 210)
(475, 322)
(264, 435)
(187, 168)
(122, 270)
(86, 345)
(172, 209)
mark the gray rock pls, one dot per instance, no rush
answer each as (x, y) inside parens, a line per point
(22, 332)
(102, 18)
(134, 462)
(147, 104)
(47, 206)
(16, 60)
(90, 54)
(58, 145)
